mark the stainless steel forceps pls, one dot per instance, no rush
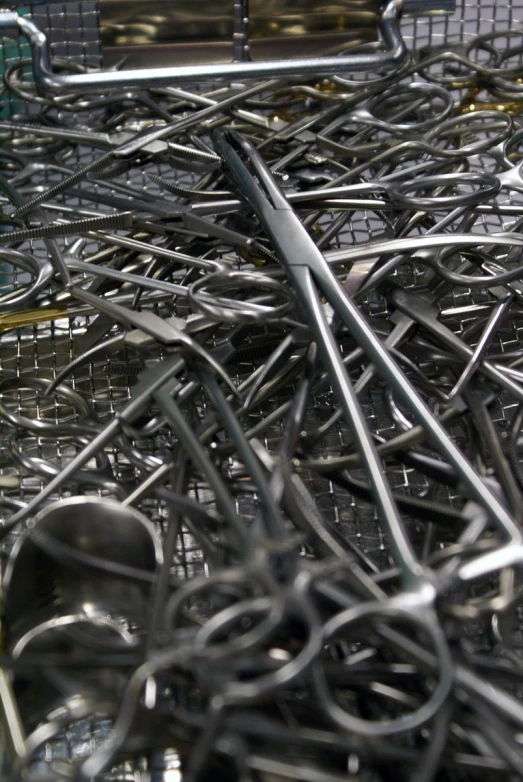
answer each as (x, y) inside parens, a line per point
(306, 268)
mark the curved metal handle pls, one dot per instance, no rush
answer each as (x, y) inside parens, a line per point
(393, 56)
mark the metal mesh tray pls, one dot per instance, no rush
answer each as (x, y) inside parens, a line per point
(43, 349)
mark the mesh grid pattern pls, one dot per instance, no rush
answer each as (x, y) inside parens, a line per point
(469, 20)
(72, 29)
(44, 350)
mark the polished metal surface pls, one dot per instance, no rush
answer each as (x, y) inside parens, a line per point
(166, 33)
(56, 604)
(261, 41)
(458, 333)
(390, 56)
(190, 32)
(178, 33)
(92, 526)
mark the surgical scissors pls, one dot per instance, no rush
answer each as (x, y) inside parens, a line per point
(305, 264)
(472, 72)
(18, 294)
(362, 273)
(152, 142)
(302, 260)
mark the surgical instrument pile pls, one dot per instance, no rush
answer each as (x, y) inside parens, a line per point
(261, 419)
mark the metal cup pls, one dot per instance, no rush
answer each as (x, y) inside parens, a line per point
(58, 604)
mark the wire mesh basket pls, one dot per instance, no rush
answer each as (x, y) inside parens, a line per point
(42, 349)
